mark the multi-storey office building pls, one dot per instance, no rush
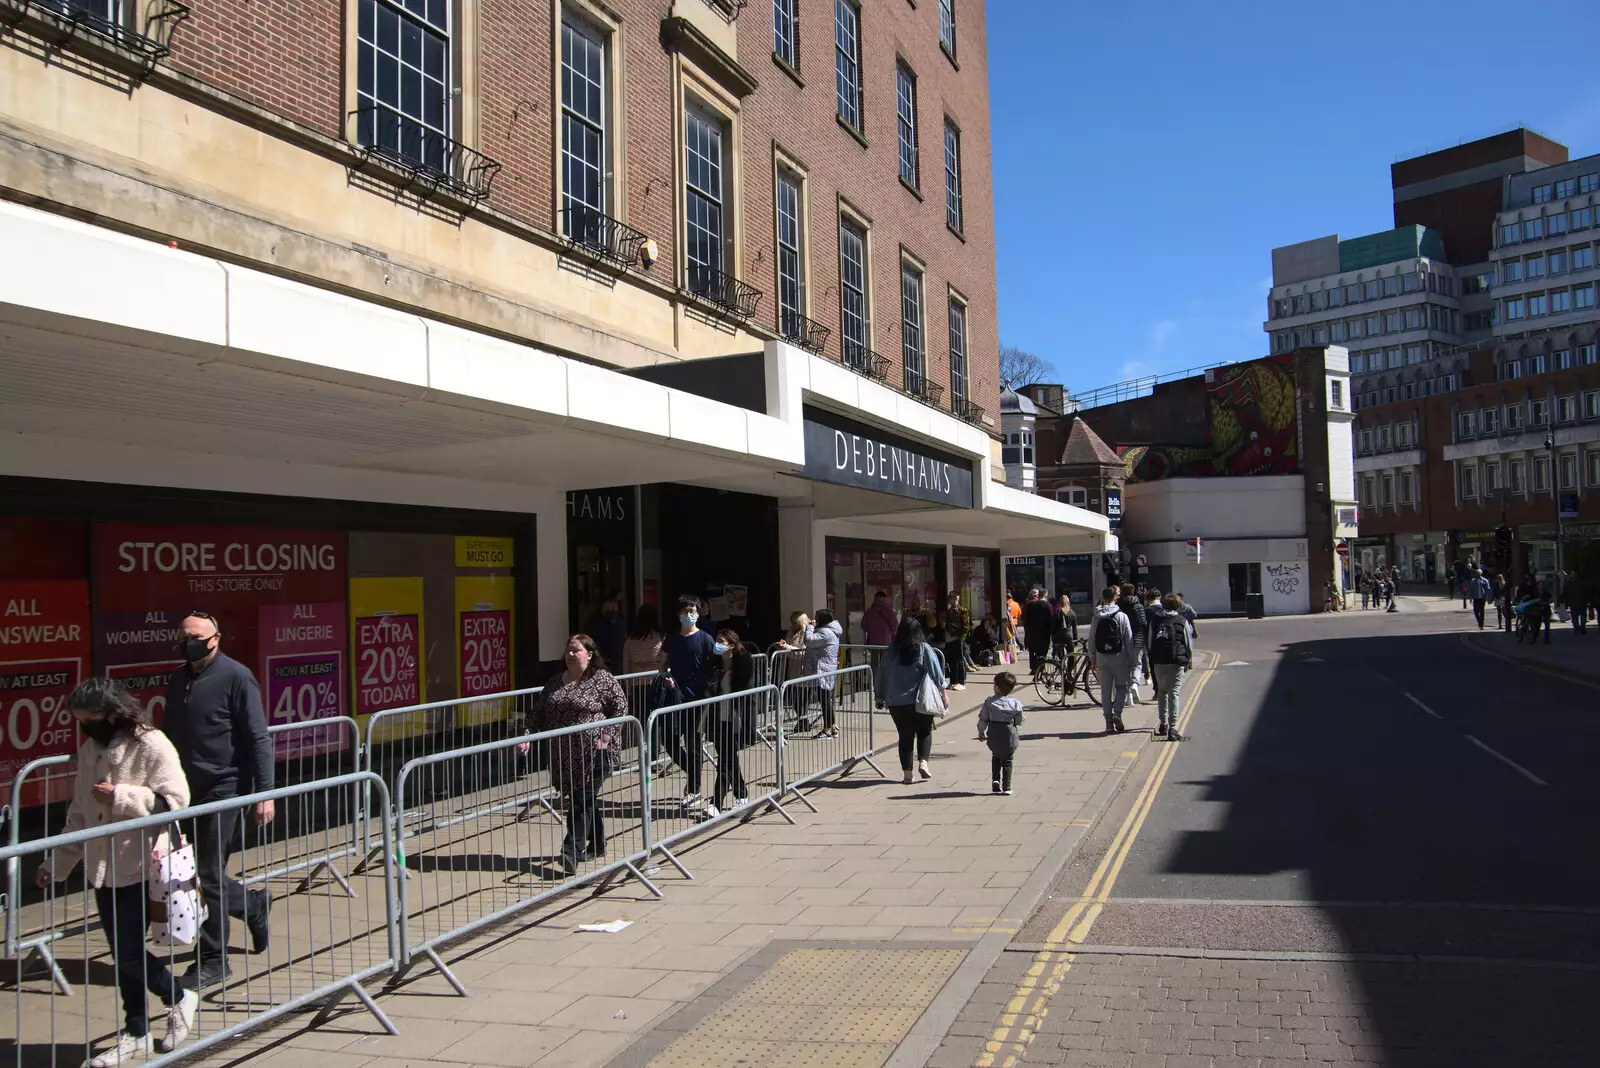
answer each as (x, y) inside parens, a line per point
(459, 314)
(1544, 262)
(1445, 208)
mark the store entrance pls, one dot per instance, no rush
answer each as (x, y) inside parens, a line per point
(1243, 580)
(602, 533)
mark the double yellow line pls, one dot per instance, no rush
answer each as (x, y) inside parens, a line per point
(1030, 1002)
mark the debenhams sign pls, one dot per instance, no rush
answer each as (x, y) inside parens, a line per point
(852, 454)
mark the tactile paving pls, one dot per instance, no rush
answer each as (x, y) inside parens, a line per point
(839, 1008)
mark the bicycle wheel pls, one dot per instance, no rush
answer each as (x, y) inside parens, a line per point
(1091, 682)
(1050, 683)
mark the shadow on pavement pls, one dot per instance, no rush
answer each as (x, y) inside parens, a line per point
(1467, 889)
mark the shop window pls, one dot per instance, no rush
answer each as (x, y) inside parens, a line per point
(1073, 495)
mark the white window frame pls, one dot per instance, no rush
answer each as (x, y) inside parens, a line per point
(855, 284)
(429, 135)
(578, 118)
(847, 63)
(906, 122)
(913, 325)
(953, 217)
(1077, 496)
(960, 358)
(1469, 481)
(1567, 469)
(786, 32)
(790, 222)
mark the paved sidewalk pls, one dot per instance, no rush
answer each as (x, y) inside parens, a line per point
(933, 867)
(1567, 652)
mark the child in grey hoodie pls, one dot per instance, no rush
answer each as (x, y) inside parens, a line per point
(998, 721)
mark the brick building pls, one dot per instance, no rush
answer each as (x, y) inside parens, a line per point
(1438, 476)
(499, 308)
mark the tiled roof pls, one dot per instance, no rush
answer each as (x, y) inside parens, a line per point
(1085, 447)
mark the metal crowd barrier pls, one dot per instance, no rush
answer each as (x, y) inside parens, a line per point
(321, 950)
(577, 823)
(709, 762)
(307, 752)
(50, 780)
(843, 702)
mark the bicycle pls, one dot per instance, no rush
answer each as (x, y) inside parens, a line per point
(1056, 681)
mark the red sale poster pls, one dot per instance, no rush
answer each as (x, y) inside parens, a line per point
(302, 675)
(139, 649)
(229, 572)
(44, 653)
(386, 659)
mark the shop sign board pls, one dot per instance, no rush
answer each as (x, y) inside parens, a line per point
(1114, 508)
(302, 658)
(848, 453)
(387, 637)
(1569, 506)
(44, 654)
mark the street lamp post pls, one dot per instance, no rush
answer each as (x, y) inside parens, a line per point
(1555, 493)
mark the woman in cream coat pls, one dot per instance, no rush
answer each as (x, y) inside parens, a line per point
(124, 765)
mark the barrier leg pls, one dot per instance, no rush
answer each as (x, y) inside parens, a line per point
(432, 956)
(38, 953)
(630, 868)
(800, 797)
(864, 759)
(674, 861)
(324, 866)
(355, 990)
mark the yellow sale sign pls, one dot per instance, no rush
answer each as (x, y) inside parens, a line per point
(485, 607)
(386, 634)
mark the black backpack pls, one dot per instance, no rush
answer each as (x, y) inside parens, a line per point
(1170, 644)
(1107, 635)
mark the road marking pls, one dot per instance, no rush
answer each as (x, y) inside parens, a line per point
(1507, 761)
(1412, 698)
(1030, 1002)
(1237, 663)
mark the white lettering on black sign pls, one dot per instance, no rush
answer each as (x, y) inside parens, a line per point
(841, 452)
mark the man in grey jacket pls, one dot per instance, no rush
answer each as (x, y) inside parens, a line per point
(1111, 640)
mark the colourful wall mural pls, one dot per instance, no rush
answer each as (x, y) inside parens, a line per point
(1252, 428)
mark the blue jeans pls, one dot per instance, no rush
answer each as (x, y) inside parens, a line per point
(1169, 684)
(1115, 675)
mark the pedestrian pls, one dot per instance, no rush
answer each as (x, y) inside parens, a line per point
(1502, 604)
(732, 721)
(1134, 609)
(1391, 586)
(1111, 638)
(985, 642)
(643, 649)
(1577, 598)
(1014, 612)
(1037, 624)
(608, 629)
(1366, 591)
(126, 769)
(909, 660)
(216, 724)
(584, 692)
(878, 622)
(998, 721)
(1461, 581)
(1150, 600)
(1170, 655)
(1188, 612)
(1479, 590)
(688, 650)
(957, 625)
(1064, 634)
(822, 658)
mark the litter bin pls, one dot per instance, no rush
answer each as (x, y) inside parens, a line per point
(1255, 605)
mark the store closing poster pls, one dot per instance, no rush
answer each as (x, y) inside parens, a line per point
(278, 595)
(386, 632)
(485, 605)
(44, 653)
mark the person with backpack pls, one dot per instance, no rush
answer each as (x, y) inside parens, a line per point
(1133, 607)
(1171, 653)
(1111, 638)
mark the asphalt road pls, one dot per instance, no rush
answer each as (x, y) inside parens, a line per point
(1376, 758)
(1378, 846)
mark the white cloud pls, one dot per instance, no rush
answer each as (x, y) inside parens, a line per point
(1160, 333)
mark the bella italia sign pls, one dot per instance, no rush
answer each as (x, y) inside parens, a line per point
(853, 454)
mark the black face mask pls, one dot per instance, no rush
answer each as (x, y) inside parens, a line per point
(195, 649)
(100, 730)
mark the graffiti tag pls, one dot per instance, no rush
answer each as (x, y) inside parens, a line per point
(1285, 578)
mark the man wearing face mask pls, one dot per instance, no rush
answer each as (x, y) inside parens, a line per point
(689, 652)
(609, 630)
(216, 723)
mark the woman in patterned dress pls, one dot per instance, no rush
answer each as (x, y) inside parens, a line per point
(579, 762)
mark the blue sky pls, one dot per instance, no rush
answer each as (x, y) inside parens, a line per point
(1149, 155)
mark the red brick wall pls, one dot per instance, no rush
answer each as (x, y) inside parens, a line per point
(802, 122)
(287, 56)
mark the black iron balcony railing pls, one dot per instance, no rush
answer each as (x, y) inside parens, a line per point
(728, 9)
(807, 333)
(98, 19)
(917, 384)
(864, 361)
(967, 410)
(737, 298)
(431, 158)
(600, 235)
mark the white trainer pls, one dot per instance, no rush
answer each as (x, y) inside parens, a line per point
(180, 1021)
(127, 1050)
